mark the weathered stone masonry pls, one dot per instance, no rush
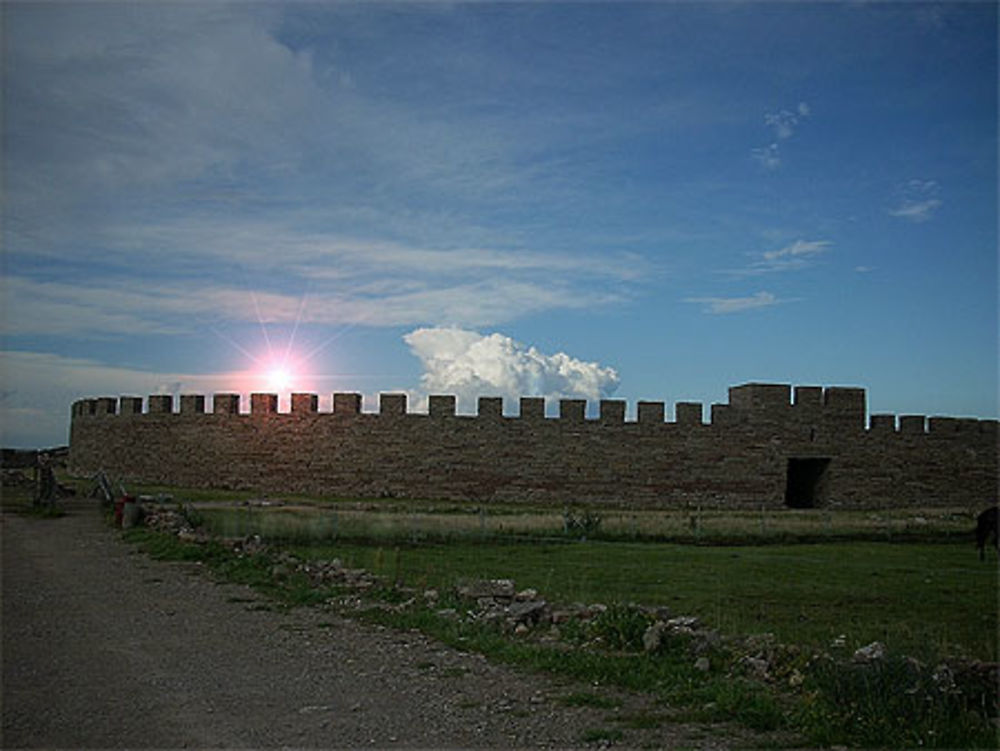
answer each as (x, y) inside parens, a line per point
(770, 445)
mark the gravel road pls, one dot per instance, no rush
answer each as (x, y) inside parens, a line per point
(104, 647)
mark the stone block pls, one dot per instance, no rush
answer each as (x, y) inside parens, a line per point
(808, 397)
(226, 404)
(572, 410)
(532, 408)
(883, 424)
(760, 396)
(392, 404)
(942, 425)
(305, 404)
(192, 404)
(160, 404)
(106, 405)
(612, 411)
(263, 404)
(688, 413)
(912, 424)
(346, 404)
(441, 405)
(650, 412)
(130, 405)
(490, 406)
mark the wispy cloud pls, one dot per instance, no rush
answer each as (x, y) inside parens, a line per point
(46, 384)
(128, 152)
(726, 305)
(34, 411)
(137, 308)
(795, 255)
(783, 125)
(792, 257)
(917, 201)
(769, 157)
(784, 122)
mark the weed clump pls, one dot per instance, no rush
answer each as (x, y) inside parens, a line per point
(898, 700)
(621, 627)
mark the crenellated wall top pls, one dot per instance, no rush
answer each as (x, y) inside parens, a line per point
(839, 408)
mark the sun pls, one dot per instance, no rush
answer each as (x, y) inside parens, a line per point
(280, 378)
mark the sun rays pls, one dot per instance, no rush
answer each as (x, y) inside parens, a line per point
(282, 360)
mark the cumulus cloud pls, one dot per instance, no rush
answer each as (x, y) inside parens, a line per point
(469, 365)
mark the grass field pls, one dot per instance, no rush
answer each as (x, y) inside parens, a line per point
(399, 521)
(923, 600)
(823, 581)
(908, 577)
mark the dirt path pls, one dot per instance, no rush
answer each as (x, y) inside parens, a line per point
(103, 647)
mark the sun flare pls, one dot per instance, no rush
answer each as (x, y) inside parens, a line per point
(279, 378)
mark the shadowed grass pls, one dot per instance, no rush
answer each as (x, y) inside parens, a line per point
(920, 599)
(929, 601)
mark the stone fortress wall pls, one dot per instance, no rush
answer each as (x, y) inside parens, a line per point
(770, 446)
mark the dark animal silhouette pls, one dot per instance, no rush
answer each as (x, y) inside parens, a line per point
(986, 526)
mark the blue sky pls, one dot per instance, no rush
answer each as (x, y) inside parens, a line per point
(642, 201)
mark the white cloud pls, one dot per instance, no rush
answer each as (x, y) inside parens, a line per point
(768, 156)
(37, 389)
(724, 305)
(797, 250)
(469, 365)
(792, 257)
(56, 308)
(917, 201)
(130, 100)
(174, 158)
(783, 123)
(916, 211)
(40, 387)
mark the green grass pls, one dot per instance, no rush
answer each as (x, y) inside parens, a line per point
(256, 571)
(303, 518)
(919, 599)
(929, 601)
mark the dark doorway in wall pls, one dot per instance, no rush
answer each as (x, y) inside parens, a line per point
(806, 485)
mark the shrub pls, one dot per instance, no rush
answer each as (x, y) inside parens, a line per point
(586, 523)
